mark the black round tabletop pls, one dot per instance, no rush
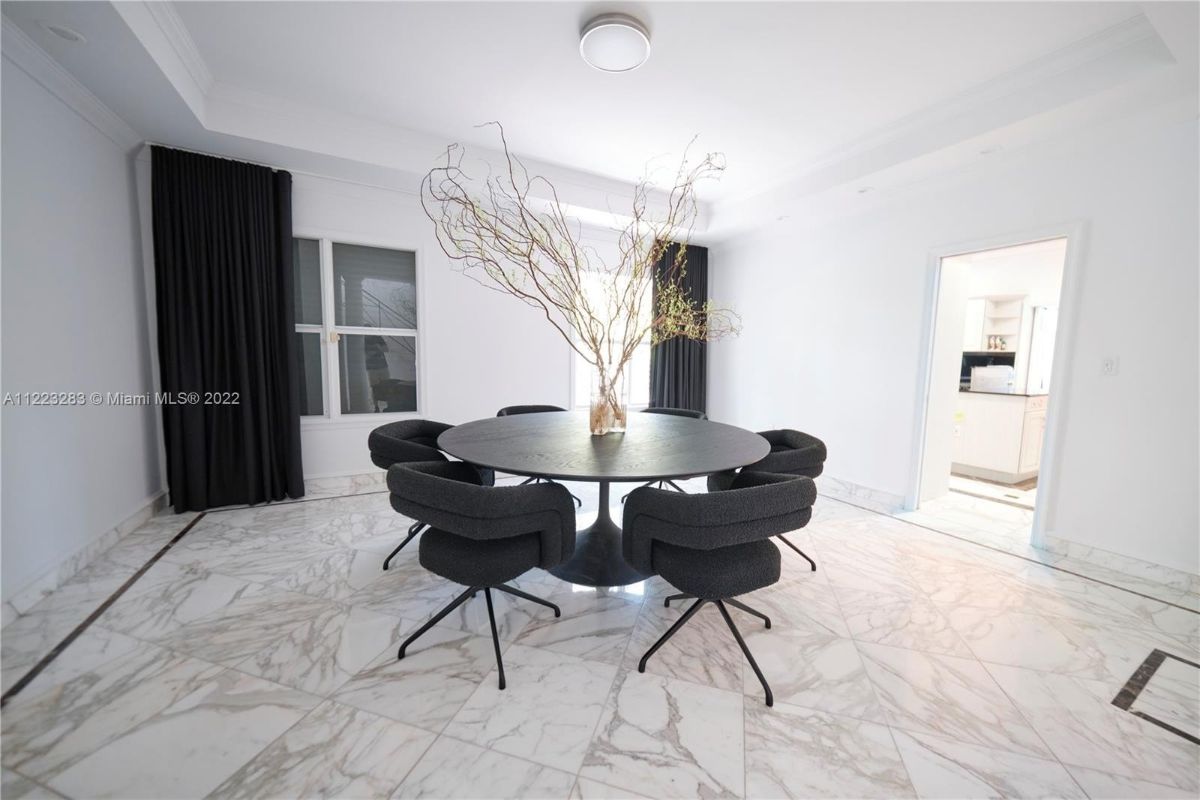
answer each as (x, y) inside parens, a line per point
(558, 444)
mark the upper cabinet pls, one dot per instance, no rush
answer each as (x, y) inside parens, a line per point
(994, 324)
(973, 329)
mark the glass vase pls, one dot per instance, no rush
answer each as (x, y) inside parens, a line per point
(610, 402)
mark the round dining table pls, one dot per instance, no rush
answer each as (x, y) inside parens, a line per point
(558, 445)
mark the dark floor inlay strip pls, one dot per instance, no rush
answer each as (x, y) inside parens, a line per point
(1138, 681)
(28, 677)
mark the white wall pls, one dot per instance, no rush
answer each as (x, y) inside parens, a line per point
(479, 349)
(836, 319)
(74, 319)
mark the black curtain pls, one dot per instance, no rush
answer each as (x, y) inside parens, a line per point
(679, 367)
(223, 279)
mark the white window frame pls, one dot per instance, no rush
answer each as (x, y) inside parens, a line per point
(333, 415)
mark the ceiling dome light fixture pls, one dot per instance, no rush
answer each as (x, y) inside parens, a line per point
(614, 43)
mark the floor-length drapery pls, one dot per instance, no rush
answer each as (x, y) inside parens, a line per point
(679, 367)
(226, 343)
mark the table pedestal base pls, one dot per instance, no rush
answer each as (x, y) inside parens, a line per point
(598, 560)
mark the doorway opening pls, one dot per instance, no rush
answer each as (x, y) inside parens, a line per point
(990, 386)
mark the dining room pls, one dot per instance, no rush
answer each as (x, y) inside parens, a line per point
(532, 400)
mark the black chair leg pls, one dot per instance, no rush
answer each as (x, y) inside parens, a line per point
(752, 612)
(675, 486)
(679, 623)
(413, 530)
(455, 603)
(801, 552)
(487, 594)
(746, 652)
(530, 598)
(667, 600)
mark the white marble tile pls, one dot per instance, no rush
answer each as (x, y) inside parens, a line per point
(703, 651)
(1103, 786)
(80, 736)
(181, 595)
(913, 623)
(327, 649)
(798, 752)
(453, 768)
(948, 696)
(812, 670)
(428, 687)
(668, 738)
(245, 624)
(546, 714)
(335, 751)
(943, 768)
(1031, 641)
(1076, 718)
(18, 787)
(334, 575)
(588, 789)
(593, 627)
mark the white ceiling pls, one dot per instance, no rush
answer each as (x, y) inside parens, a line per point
(810, 102)
(775, 86)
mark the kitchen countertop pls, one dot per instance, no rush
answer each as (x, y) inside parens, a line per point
(1006, 394)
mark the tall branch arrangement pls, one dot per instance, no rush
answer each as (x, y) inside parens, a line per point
(511, 233)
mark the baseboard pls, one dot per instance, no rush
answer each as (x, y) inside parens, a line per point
(1135, 567)
(317, 487)
(34, 592)
(865, 496)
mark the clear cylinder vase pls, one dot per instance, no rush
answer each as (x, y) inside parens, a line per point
(610, 402)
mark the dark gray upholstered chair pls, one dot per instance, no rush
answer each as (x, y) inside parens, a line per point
(716, 546)
(673, 412)
(792, 453)
(482, 536)
(509, 411)
(405, 442)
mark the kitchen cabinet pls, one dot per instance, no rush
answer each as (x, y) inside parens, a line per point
(973, 327)
(998, 436)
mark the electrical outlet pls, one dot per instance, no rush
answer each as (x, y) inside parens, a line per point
(1110, 365)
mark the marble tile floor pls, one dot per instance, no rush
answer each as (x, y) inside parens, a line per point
(1005, 527)
(257, 659)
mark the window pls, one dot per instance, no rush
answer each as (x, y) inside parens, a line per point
(360, 302)
(637, 372)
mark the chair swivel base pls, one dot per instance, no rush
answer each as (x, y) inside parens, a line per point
(720, 604)
(735, 603)
(664, 483)
(578, 502)
(464, 597)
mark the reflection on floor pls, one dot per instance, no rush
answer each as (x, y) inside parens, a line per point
(1022, 495)
(980, 520)
(257, 659)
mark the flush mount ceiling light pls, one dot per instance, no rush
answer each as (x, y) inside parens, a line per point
(64, 33)
(614, 43)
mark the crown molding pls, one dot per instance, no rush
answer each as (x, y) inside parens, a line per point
(1127, 46)
(1030, 98)
(181, 42)
(166, 39)
(24, 53)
